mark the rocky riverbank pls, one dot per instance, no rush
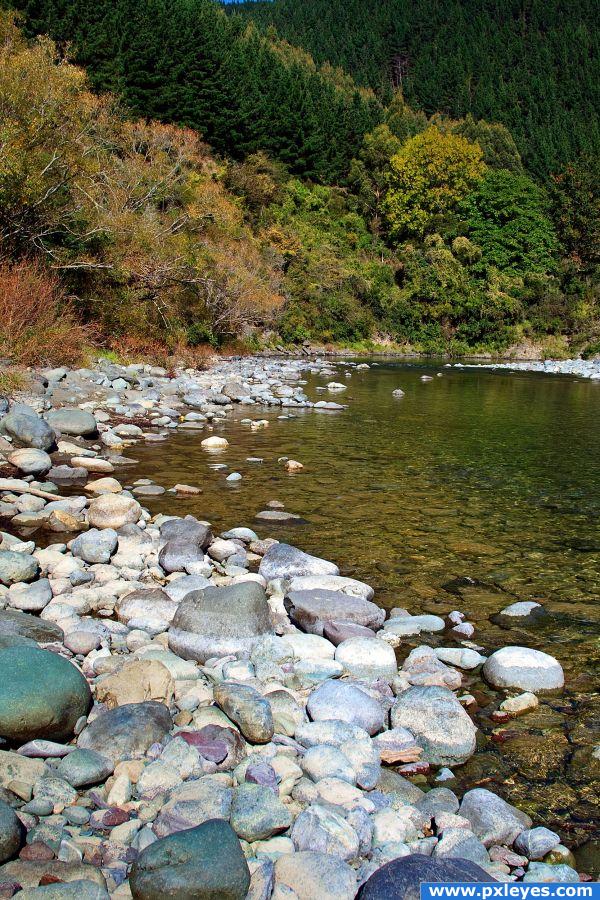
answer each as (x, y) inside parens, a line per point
(197, 715)
(581, 368)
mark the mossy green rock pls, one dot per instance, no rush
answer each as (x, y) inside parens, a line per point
(44, 696)
(203, 863)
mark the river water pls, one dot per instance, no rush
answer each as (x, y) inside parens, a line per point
(472, 491)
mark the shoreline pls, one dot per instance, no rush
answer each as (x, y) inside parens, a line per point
(233, 676)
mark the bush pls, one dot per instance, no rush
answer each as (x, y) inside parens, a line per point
(38, 322)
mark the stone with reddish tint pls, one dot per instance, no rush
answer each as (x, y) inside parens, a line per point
(336, 632)
(210, 742)
(264, 774)
(115, 816)
(37, 851)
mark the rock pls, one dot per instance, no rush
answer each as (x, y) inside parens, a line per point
(43, 698)
(220, 621)
(337, 583)
(19, 624)
(30, 461)
(521, 703)
(522, 609)
(347, 703)
(30, 597)
(113, 511)
(12, 832)
(462, 657)
(184, 543)
(16, 567)
(492, 819)
(192, 803)
(104, 486)
(535, 843)
(256, 813)
(422, 667)
(542, 872)
(312, 875)
(58, 875)
(310, 610)
(284, 561)
(127, 731)
(324, 761)
(438, 722)
(95, 546)
(137, 681)
(203, 863)
(460, 843)
(337, 632)
(248, 709)
(84, 767)
(28, 431)
(147, 603)
(76, 422)
(322, 830)
(292, 465)
(397, 745)
(214, 442)
(80, 889)
(367, 657)
(179, 589)
(523, 668)
(401, 879)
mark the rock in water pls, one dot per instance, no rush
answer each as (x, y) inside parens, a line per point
(401, 879)
(127, 731)
(31, 461)
(284, 561)
(439, 723)
(76, 422)
(12, 833)
(203, 863)
(523, 668)
(220, 620)
(44, 696)
(28, 431)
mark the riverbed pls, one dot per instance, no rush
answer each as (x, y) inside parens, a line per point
(473, 490)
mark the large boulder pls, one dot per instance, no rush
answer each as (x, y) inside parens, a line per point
(44, 696)
(523, 668)
(345, 702)
(184, 542)
(16, 567)
(284, 561)
(113, 511)
(16, 624)
(76, 422)
(127, 731)
(28, 430)
(203, 863)
(401, 879)
(220, 620)
(312, 610)
(492, 819)
(438, 722)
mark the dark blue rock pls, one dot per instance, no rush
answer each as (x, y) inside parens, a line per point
(401, 878)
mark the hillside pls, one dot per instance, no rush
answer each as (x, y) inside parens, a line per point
(533, 65)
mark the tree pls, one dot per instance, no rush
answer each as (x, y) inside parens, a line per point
(575, 196)
(368, 176)
(430, 174)
(507, 217)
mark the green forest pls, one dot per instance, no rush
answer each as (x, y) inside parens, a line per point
(185, 175)
(533, 65)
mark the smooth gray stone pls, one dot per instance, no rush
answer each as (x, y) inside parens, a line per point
(127, 731)
(77, 422)
(28, 430)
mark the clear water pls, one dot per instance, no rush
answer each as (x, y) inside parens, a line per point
(474, 490)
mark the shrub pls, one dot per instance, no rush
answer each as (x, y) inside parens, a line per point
(38, 322)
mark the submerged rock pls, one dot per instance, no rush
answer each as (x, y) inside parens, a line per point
(284, 561)
(523, 668)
